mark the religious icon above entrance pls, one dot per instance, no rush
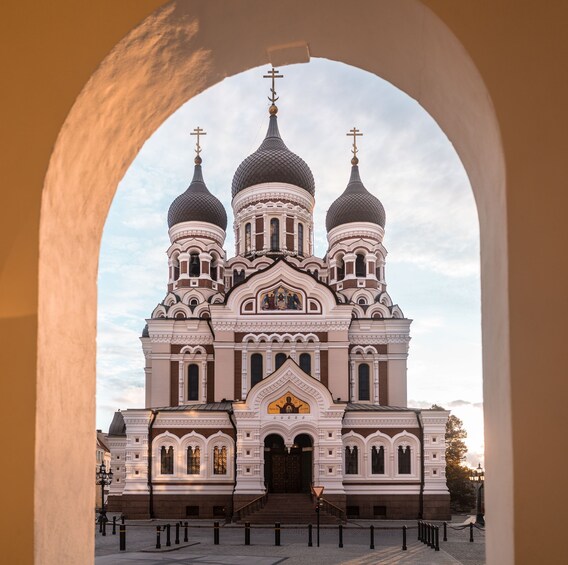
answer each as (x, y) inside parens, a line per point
(280, 298)
(288, 404)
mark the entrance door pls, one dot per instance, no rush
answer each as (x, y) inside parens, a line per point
(286, 472)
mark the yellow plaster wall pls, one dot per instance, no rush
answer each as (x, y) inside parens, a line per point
(520, 48)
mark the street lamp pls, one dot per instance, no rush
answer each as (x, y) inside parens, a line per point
(317, 491)
(478, 477)
(104, 478)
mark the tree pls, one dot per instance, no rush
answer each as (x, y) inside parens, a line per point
(462, 495)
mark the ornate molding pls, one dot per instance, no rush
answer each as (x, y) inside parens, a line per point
(374, 339)
(191, 339)
(304, 325)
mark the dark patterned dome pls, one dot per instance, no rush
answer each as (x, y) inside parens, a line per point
(356, 204)
(273, 162)
(197, 204)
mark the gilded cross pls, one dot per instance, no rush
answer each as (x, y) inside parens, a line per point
(273, 74)
(354, 133)
(198, 132)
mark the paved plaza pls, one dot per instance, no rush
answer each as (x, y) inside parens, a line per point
(141, 545)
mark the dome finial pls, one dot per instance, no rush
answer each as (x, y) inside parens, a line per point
(273, 74)
(198, 132)
(355, 133)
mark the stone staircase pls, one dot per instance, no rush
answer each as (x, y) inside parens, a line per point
(296, 508)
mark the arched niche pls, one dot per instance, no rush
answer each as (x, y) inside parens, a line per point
(175, 53)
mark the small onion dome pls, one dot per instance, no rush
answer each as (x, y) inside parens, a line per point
(197, 204)
(145, 331)
(117, 426)
(356, 204)
(273, 162)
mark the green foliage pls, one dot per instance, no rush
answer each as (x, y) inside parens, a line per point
(462, 494)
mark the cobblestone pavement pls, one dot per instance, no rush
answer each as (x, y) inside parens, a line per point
(141, 546)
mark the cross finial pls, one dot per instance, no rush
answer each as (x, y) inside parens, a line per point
(198, 132)
(273, 74)
(354, 133)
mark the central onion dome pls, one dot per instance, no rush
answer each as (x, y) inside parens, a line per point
(273, 162)
(197, 204)
(356, 204)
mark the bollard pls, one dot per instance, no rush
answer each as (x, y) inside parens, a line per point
(122, 519)
(122, 540)
(445, 531)
(277, 533)
(470, 532)
(310, 543)
(216, 533)
(429, 535)
(177, 534)
(185, 533)
(247, 533)
(340, 535)
(419, 537)
(114, 525)
(158, 541)
(437, 538)
(372, 532)
(404, 548)
(104, 524)
(168, 536)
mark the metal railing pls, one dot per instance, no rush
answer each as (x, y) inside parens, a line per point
(250, 507)
(334, 510)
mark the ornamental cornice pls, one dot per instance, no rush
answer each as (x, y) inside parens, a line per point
(380, 421)
(181, 422)
(185, 339)
(374, 339)
(281, 325)
(272, 192)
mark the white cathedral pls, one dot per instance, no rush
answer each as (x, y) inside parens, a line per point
(276, 370)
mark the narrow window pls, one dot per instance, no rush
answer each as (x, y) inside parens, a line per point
(220, 461)
(167, 460)
(193, 460)
(247, 238)
(194, 265)
(255, 369)
(301, 239)
(360, 269)
(404, 460)
(351, 463)
(340, 269)
(274, 234)
(193, 382)
(378, 460)
(306, 363)
(364, 384)
(176, 269)
(213, 271)
(279, 360)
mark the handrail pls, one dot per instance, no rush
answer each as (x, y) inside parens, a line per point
(333, 510)
(251, 506)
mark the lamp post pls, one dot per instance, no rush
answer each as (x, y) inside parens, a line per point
(478, 477)
(317, 491)
(104, 478)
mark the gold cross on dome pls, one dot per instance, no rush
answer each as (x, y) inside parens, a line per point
(198, 132)
(354, 133)
(273, 74)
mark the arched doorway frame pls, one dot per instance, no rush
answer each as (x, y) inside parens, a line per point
(171, 56)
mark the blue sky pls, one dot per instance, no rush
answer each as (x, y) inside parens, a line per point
(432, 232)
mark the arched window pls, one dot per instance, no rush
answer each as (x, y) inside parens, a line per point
(247, 238)
(378, 460)
(214, 269)
(404, 460)
(193, 382)
(255, 369)
(300, 239)
(306, 363)
(351, 460)
(279, 360)
(360, 268)
(220, 460)
(316, 274)
(175, 264)
(193, 460)
(194, 265)
(238, 276)
(340, 268)
(167, 460)
(274, 234)
(364, 384)
(362, 301)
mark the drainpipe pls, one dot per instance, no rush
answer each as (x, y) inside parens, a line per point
(421, 499)
(231, 419)
(150, 486)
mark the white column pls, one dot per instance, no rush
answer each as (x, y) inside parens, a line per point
(352, 382)
(293, 352)
(268, 361)
(244, 386)
(376, 379)
(253, 233)
(266, 231)
(181, 387)
(204, 381)
(317, 362)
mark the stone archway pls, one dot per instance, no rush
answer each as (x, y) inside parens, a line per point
(175, 53)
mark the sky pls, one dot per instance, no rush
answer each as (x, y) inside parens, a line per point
(431, 233)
